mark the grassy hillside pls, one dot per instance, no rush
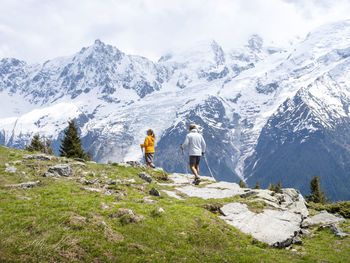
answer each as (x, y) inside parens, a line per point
(59, 220)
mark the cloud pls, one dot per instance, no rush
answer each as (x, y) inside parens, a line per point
(37, 30)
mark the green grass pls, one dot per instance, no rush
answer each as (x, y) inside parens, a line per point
(59, 221)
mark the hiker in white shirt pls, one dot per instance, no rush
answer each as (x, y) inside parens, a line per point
(196, 148)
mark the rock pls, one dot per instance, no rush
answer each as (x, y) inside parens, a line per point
(214, 208)
(86, 182)
(154, 192)
(61, 170)
(132, 180)
(297, 240)
(161, 210)
(322, 218)
(135, 164)
(11, 169)
(294, 201)
(274, 227)
(283, 244)
(40, 156)
(335, 230)
(216, 190)
(79, 163)
(111, 182)
(248, 194)
(304, 232)
(145, 176)
(24, 185)
(47, 174)
(108, 193)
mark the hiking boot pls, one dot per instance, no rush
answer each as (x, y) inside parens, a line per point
(196, 181)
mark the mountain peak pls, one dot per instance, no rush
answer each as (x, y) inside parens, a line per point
(255, 42)
(98, 42)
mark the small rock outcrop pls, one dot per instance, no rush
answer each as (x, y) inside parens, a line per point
(277, 223)
(335, 230)
(24, 185)
(322, 218)
(61, 170)
(154, 192)
(39, 156)
(11, 169)
(127, 216)
(145, 176)
(134, 164)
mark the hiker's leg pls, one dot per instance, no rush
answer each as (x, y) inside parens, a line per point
(194, 170)
(197, 168)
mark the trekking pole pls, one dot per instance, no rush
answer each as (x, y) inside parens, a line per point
(211, 174)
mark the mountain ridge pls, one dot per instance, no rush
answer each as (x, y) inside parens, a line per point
(234, 95)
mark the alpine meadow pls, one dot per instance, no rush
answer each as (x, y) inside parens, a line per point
(175, 131)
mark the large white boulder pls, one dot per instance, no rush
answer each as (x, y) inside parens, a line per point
(274, 227)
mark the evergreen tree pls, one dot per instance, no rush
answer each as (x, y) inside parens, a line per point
(71, 143)
(242, 184)
(36, 145)
(47, 148)
(89, 156)
(257, 185)
(317, 194)
(271, 187)
(278, 187)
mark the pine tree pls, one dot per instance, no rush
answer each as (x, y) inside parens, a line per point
(89, 156)
(71, 143)
(317, 194)
(48, 149)
(278, 187)
(242, 184)
(36, 145)
(257, 185)
(271, 187)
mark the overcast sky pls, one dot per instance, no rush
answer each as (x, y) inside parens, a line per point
(37, 30)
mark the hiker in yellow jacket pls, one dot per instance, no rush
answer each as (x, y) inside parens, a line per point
(149, 148)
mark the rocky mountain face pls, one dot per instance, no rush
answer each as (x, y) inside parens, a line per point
(267, 113)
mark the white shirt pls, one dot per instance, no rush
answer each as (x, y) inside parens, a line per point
(195, 142)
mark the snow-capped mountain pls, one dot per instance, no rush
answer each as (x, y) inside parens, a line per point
(267, 113)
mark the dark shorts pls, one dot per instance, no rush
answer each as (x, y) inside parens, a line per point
(194, 160)
(149, 157)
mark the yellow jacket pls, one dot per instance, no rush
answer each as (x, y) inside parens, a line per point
(148, 144)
